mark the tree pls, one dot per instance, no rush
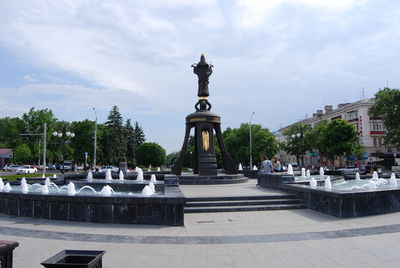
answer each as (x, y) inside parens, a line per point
(10, 130)
(138, 135)
(339, 139)
(387, 105)
(83, 140)
(115, 141)
(22, 154)
(298, 142)
(170, 159)
(238, 145)
(150, 153)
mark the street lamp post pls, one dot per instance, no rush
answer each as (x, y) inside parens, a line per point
(44, 145)
(95, 140)
(67, 135)
(251, 157)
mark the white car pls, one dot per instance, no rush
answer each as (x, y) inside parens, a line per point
(12, 168)
(27, 169)
(105, 168)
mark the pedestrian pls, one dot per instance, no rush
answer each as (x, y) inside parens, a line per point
(266, 166)
(277, 165)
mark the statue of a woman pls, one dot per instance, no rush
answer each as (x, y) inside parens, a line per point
(203, 71)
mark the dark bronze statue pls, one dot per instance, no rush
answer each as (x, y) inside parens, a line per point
(203, 71)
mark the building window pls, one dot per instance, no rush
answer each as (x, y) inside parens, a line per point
(377, 126)
(356, 126)
(352, 115)
(378, 142)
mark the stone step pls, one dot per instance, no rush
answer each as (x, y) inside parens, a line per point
(233, 198)
(242, 203)
(246, 208)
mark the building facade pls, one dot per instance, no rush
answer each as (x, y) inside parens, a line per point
(370, 131)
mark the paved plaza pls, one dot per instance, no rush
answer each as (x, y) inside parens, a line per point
(285, 238)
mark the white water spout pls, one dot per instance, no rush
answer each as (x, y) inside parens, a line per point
(140, 175)
(45, 189)
(290, 170)
(43, 176)
(47, 181)
(303, 172)
(371, 185)
(153, 178)
(321, 171)
(308, 174)
(255, 168)
(147, 191)
(54, 176)
(358, 176)
(328, 184)
(375, 175)
(89, 175)
(153, 188)
(108, 175)
(393, 181)
(137, 169)
(121, 175)
(7, 188)
(107, 191)
(158, 169)
(240, 166)
(1, 185)
(24, 186)
(313, 183)
(71, 189)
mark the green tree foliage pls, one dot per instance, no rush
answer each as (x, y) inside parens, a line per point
(134, 138)
(22, 154)
(150, 153)
(298, 140)
(170, 159)
(340, 138)
(10, 130)
(387, 105)
(115, 142)
(237, 143)
(83, 140)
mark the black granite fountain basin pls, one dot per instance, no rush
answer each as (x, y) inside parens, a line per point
(161, 209)
(350, 203)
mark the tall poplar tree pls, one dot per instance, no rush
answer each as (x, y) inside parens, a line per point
(116, 139)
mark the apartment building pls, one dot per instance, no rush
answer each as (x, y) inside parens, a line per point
(370, 130)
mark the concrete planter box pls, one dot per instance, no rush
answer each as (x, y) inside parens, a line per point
(75, 258)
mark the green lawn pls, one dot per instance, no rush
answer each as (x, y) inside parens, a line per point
(15, 177)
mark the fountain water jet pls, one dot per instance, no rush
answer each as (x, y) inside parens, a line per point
(313, 183)
(290, 170)
(1, 185)
(328, 184)
(107, 191)
(240, 166)
(303, 172)
(24, 186)
(45, 189)
(255, 168)
(153, 178)
(71, 189)
(153, 188)
(358, 176)
(140, 175)
(147, 191)
(7, 188)
(121, 175)
(108, 175)
(321, 171)
(87, 187)
(393, 181)
(308, 173)
(89, 176)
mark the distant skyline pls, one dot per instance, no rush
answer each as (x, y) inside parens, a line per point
(281, 59)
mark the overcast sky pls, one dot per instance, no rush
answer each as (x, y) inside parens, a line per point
(282, 59)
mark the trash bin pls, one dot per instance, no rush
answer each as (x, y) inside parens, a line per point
(6, 253)
(75, 258)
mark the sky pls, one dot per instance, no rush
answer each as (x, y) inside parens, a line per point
(281, 59)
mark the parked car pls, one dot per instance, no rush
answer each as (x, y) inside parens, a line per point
(105, 168)
(349, 169)
(12, 168)
(51, 167)
(27, 169)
